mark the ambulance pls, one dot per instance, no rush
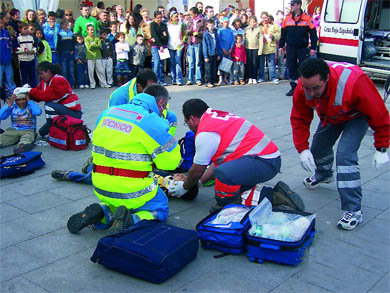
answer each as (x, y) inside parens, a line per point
(358, 32)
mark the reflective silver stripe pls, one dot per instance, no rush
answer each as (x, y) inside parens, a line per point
(338, 101)
(236, 141)
(348, 169)
(173, 124)
(163, 148)
(125, 114)
(72, 104)
(259, 147)
(349, 184)
(51, 116)
(121, 155)
(129, 195)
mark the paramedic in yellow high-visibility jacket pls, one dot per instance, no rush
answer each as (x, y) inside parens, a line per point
(129, 140)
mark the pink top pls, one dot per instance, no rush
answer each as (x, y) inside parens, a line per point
(239, 54)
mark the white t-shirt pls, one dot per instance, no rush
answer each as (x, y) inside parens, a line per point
(206, 145)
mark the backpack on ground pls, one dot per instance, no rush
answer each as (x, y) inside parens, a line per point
(68, 133)
(19, 165)
(187, 150)
(150, 250)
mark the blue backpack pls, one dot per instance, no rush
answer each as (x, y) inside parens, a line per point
(20, 165)
(187, 150)
(227, 238)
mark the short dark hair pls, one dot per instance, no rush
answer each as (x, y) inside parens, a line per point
(139, 36)
(46, 66)
(157, 91)
(156, 13)
(52, 14)
(194, 10)
(210, 21)
(208, 7)
(14, 11)
(100, 5)
(144, 75)
(313, 66)
(2, 15)
(84, 6)
(194, 107)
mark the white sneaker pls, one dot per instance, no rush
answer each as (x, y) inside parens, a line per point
(81, 86)
(86, 86)
(250, 81)
(350, 220)
(254, 81)
(275, 81)
(91, 87)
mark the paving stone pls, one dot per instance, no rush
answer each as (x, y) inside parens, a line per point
(11, 233)
(6, 195)
(383, 285)
(294, 284)
(20, 285)
(74, 191)
(15, 262)
(38, 202)
(8, 213)
(35, 185)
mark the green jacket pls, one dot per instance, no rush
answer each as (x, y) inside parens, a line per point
(93, 45)
(46, 54)
(80, 25)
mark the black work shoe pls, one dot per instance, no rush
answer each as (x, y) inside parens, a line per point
(23, 148)
(91, 215)
(60, 175)
(84, 168)
(291, 91)
(122, 219)
(283, 195)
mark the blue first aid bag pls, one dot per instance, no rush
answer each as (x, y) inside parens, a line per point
(21, 164)
(150, 250)
(224, 230)
(187, 150)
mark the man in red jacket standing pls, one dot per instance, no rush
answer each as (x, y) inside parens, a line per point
(346, 102)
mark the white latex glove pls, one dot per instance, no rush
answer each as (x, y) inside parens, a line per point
(26, 86)
(23, 90)
(379, 160)
(176, 189)
(307, 160)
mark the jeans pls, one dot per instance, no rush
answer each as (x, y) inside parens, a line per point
(175, 63)
(67, 64)
(9, 77)
(193, 56)
(210, 70)
(238, 71)
(158, 64)
(54, 57)
(281, 66)
(82, 74)
(271, 66)
(348, 172)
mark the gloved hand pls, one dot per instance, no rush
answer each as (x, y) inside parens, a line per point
(176, 189)
(379, 160)
(26, 86)
(22, 90)
(307, 160)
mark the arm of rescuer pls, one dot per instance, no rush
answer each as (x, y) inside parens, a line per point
(56, 90)
(301, 117)
(368, 101)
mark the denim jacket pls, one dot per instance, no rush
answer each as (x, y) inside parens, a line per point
(208, 44)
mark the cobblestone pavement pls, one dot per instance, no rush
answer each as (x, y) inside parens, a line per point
(38, 254)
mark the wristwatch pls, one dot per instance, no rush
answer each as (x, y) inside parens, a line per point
(382, 150)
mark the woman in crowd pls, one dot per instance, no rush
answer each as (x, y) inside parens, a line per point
(30, 18)
(57, 94)
(159, 32)
(145, 27)
(41, 17)
(176, 32)
(131, 29)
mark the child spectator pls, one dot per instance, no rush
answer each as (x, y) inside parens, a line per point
(51, 30)
(253, 45)
(239, 61)
(108, 54)
(6, 56)
(23, 114)
(93, 45)
(122, 50)
(138, 53)
(66, 51)
(211, 53)
(43, 48)
(227, 42)
(113, 31)
(26, 54)
(80, 55)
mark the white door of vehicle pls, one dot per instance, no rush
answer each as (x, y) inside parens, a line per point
(342, 30)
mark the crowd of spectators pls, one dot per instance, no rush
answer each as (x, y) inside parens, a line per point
(199, 46)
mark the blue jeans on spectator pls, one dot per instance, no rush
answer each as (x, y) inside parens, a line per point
(157, 64)
(82, 74)
(9, 77)
(67, 64)
(271, 66)
(193, 56)
(54, 57)
(175, 63)
(281, 66)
